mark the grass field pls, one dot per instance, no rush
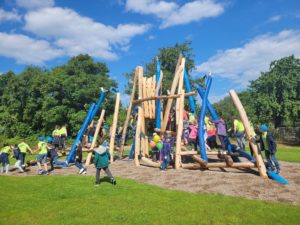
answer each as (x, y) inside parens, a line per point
(75, 200)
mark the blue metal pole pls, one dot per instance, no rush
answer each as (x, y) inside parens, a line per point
(100, 100)
(86, 122)
(157, 107)
(210, 108)
(201, 121)
(188, 89)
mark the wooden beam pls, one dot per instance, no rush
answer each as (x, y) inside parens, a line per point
(99, 123)
(146, 104)
(179, 133)
(189, 152)
(137, 146)
(164, 97)
(153, 93)
(159, 84)
(128, 113)
(243, 115)
(180, 87)
(172, 92)
(149, 162)
(149, 94)
(114, 128)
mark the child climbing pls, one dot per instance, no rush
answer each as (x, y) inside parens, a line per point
(17, 153)
(78, 159)
(23, 150)
(52, 153)
(268, 144)
(42, 157)
(166, 152)
(239, 132)
(101, 161)
(193, 134)
(5, 158)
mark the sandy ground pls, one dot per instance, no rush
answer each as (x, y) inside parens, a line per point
(233, 182)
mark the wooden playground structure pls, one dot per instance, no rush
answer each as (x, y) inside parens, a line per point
(150, 102)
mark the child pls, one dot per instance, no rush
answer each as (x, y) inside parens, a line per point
(166, 153)
(52, 153)
(221, 131)
(78, 159)
(16, 152)
(23, 150)
(101, 161)
(193, 135)
(239, 132)
(268, 145)
(42, 156)
(63, 136)
(185, 133)
(56, 137)
(4, 158)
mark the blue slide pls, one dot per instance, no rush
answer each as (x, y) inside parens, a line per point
(274, 176)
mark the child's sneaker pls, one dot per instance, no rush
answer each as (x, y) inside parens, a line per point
(40, 172)
(81, 170)
(97, 184)
(46, 173)
(84, 172)
(113, 181)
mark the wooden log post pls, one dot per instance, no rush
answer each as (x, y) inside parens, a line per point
(146, 104)
(243, 115)
(149, 95)
(153, 94)
(172, 92)
(99, 123)
(128, 113)
(114, 128)
(179, 133)
(137, 146)
(180, 87)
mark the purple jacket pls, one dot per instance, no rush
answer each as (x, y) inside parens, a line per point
(221, 127)
(167, 149)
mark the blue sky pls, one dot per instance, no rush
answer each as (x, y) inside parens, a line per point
(233, 39)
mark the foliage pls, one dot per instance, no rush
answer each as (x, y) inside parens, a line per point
(273, 98)
(168, 58)
(37, 99)
(75, 200)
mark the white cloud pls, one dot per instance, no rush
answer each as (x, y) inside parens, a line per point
(171, 14)
(26, 50)
(34, 4)
(9, 16)
(245, 63)
(275, 18)
(77, 34)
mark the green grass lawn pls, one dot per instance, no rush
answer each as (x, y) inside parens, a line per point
(75, 200)
(287, 154)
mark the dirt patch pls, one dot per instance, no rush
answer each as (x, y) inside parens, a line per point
(232, 182)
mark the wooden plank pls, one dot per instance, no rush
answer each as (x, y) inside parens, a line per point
(179, 133)
(164, 97)
(243, 115)
(180, 87)
(137, 146)
(189, 153)
(114, 128)
(159, 84)
(99, 123)
(153, 94)
(149, 95)
(128, 113)
(146, 104)
(172, 92)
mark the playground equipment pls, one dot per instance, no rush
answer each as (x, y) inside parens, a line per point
(94, 108)
(149, 91)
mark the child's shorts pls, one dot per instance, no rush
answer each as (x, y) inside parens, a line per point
(41, 158)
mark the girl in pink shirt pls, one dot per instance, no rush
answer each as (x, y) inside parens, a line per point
(193, 137)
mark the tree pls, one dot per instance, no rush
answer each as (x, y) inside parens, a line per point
(277, 93)
(168, 57)
(37, 99)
